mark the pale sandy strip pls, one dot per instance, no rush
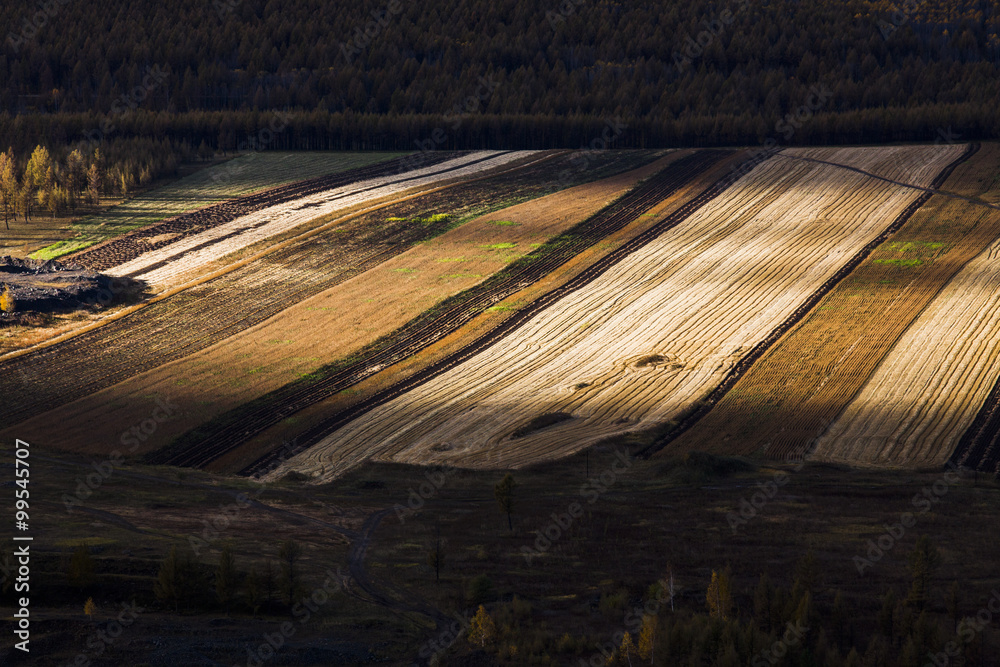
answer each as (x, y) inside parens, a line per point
(926, 392)
(188, 254)
(701, 296)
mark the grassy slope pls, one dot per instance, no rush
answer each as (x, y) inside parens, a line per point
(240, 176)
(651, 514)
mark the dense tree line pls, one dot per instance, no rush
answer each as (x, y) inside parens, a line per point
(380, 74)
(80, 174)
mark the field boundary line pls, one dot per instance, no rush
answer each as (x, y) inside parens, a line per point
(932, 190)
(321, 430)
(322, 226)
(740, 368)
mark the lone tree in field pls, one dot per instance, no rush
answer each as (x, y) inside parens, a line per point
(482, 629)
(647, 638)
(719, 597)
(924, 560)
(254, 591)
(504, 491)
(8, 186)
(226, 578)
(81, 568)
(168, 580)
(291, 581)
(627, 649)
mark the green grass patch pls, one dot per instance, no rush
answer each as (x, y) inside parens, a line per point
(903, 263)
(505, 223)
(499, 246)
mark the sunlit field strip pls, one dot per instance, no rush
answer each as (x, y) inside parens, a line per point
(697, 298)
(789, 396)
(202, 249)
(925, 393)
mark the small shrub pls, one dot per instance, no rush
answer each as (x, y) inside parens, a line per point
(480, 590)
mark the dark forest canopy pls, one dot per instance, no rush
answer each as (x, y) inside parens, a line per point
(505, 73)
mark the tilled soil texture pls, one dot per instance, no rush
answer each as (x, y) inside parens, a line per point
(132, 245)
(784, 401)
(331, 325)
(653, 333)
(201, 316)
(204, 445)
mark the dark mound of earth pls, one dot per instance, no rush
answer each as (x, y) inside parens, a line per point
(48, 286)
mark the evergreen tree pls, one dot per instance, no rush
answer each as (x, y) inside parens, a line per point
(719, 597)
(924, 561)
(504, 492)
(81, 568)
(226, 578)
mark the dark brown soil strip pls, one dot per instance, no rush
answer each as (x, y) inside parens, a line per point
(135, 243)
(204, 315)
(202, 446)
(699, 410)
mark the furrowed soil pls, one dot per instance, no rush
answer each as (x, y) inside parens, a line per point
(311, 419)
(241, 175)
(700, 295)
(335, 322)
(791, 395)
(231, 430)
